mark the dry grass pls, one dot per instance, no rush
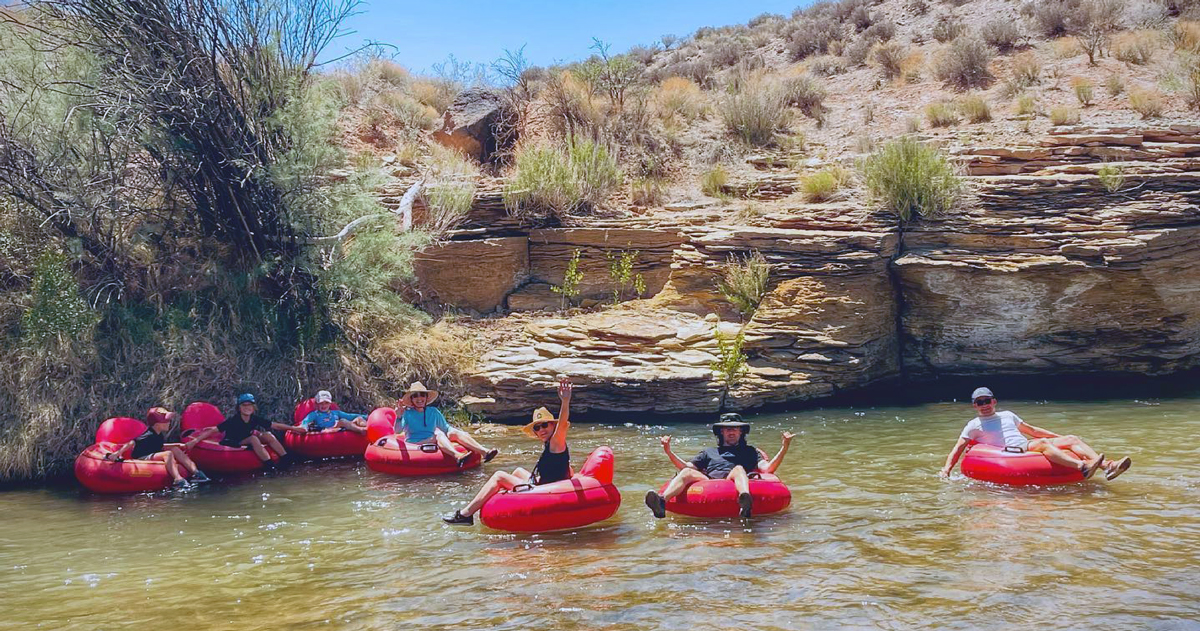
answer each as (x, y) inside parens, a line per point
(890, 59)
(1185, 35)
(974, 108)
(679, 98)
(1026, 105)
(963, 64)
(1147, 102)
(713, 181)
(1026, 70)
(1114, 84)
(1136, 47)
(941, 115)
(822, 185)
(1066, 47)
(1064, 116)
(1084, 91)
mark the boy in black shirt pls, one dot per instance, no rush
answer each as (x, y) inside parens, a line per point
(732, 458)
(151, 445)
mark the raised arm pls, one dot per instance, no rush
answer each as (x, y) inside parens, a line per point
(675, 460)
(952, 459)
(770, 467)
(558, 442)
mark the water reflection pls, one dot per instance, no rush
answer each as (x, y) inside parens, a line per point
(872, 540)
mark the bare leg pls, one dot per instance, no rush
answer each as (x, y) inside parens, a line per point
(347, 425)
(445, 445)
(273, 442)
(254, 443)
(741, 480)
(182, 459)
(1054, 454)
(466, 440)
(1074, 444)
(685, 477)
(169, 458)
(500, 481)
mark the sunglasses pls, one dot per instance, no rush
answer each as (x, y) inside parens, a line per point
(541, 426)
(983, 400)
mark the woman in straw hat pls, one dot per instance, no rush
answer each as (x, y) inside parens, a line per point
(421, 423)
(553, 465)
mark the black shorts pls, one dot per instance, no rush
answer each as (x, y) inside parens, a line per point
(717, 475)
(142, 454)
(232, 443)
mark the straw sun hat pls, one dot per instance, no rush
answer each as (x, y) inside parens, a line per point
(540, 415)
(418, 387)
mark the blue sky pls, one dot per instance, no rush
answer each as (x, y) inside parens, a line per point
(425, 33)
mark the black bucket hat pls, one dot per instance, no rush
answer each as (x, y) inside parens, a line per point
(731, 419)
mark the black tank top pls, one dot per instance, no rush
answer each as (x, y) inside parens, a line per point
(552, 467)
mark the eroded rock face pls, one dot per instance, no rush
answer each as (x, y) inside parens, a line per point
(1051, 271)
(475, 275)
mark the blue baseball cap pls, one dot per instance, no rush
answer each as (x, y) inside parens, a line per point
(245, 398)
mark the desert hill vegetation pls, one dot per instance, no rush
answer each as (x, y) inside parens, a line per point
(190, 204)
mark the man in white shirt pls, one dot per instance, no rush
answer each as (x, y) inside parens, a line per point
(1007, 430)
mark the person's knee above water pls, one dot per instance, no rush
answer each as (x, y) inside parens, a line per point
(1006, 429)
(419, 422)
(325, 417)
(151, 445)
(246, 428)
(553, 465)
(732, 458)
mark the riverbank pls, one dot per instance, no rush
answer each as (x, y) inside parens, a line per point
(873, 540)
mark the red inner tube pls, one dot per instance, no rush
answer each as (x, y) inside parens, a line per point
(211, 456)
(387, 454)
(718, 498)
(128, 476)
(586, 498)
(992, 464)
(328, 443)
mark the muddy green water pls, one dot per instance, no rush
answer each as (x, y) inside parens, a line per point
(873, 540)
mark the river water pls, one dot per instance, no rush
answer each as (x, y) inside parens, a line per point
(873, 540)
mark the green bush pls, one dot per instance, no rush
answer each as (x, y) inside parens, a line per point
(731, 361)
(57, 309)
(744, 282)
(974, 108)
(906, 177)
(940, 115)
(569, 289)
(755, 113)
(1083, 91)
(806, 93)
(713, 181)
(1112, 177)
(561, 179)
(821, 186)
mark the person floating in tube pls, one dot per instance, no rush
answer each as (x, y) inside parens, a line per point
(732, 458)
(1007, 430)
(245, 428)
(553, 465)
(421, 423)
(151, 445)
(325, 417)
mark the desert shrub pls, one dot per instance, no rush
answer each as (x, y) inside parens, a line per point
(572, 108)
(572, 276)
(56, 309)
(964, 63)
(1001, 34)
(890, 58)
(755, 113)
(643, 55)
(1135, 47)
(1114, 84)
(820, 186)
(713, 181)
(861, 17)
(730, 365)
(1052, 17)
(1026, 105)
(907, 177)
(975, 108)
(679, 97)
(826, 65)
(1083, 91)
(1112, 177)
(647, 191)
(1026, 70)
(912, 125)
(450, 183)
(1192, 84)
(856, 51)
(1147, 102)
(1066, 47)
(940, 115)
(621, 266)
(724, 52)
(577, 176)
(1064, 116)
(918, 7)
(389, 72)
(806, 93)
(436, 93)
(1147, 15)
(881, 31)
(811, 37)
(743, 282)
(403, 109)
(1185, 35)
(948, 28)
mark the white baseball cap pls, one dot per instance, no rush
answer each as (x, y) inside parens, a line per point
(981, 392)
(324, 397)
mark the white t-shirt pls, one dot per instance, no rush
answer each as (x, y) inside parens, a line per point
(999, 429)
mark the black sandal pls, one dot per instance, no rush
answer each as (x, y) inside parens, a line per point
(459, 519)
(657, 504)
(489, 455)
(746, 503)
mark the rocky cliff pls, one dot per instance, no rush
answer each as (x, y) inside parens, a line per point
(1048, 268)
